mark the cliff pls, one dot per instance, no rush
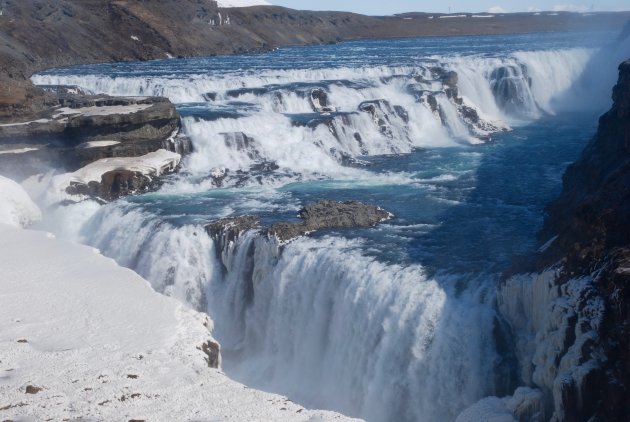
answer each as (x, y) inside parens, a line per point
(571, 314)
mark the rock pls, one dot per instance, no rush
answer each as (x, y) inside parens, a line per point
(510, 86)
(90, 128)
(212, 349)
(330, 215)
(319, 101)
(230, 228)
(31, 389)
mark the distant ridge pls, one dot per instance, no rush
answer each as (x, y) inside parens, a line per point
(242, 3)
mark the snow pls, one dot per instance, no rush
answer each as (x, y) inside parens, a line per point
(18, 150)
(25, 123)
(452, 16)
(16, 207)
(101, 111)
(96, 144)
(526, 404)
(242, 3)
(151, 164)
(103, 345)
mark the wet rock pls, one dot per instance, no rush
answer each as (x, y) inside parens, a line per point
(330, 215)
(230, 228)
(319, 101)
(510, 86)
(238, 141)
(115, 184)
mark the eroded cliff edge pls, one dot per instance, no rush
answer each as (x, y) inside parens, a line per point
(570, 308)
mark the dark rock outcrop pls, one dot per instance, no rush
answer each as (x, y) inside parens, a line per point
(320, 215)
(330, 215)
(591, 216)
(228, 229)
(82, 129)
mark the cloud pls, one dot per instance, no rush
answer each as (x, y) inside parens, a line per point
(570, 8)
(497, 9)
(533, 9)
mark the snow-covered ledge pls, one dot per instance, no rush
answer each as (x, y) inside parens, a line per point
(82, 338)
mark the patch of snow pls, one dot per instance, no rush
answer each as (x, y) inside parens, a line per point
(483, 16)
(552, 14)
(525, 404)
(489, 409)
(25, 123)
(452, 16)
(95, 342)
(16, 207)
(101, 111)
(96, 144)
(133, 37)
(242, 3)
(18, 150)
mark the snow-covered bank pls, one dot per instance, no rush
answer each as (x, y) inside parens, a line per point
(81, 337)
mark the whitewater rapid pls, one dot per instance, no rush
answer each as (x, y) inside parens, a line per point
(329, 320)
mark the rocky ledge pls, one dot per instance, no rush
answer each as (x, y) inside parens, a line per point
(318, 216)
(330, 215)
(114, 138)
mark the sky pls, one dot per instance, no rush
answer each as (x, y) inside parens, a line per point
(388, 7)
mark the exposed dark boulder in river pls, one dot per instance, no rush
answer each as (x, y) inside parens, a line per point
(330, 215)
(571, 314)
(320, 215)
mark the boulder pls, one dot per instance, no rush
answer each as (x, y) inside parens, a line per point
(330, 215)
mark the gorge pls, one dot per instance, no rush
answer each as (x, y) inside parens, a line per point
(455, 144)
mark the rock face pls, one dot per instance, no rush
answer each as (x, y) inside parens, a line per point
(573, 320)
(82, 129)
(330, 215)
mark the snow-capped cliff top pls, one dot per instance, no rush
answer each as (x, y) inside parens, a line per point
(242, 3)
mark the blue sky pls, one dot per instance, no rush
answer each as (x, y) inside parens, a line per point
(387, 7)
